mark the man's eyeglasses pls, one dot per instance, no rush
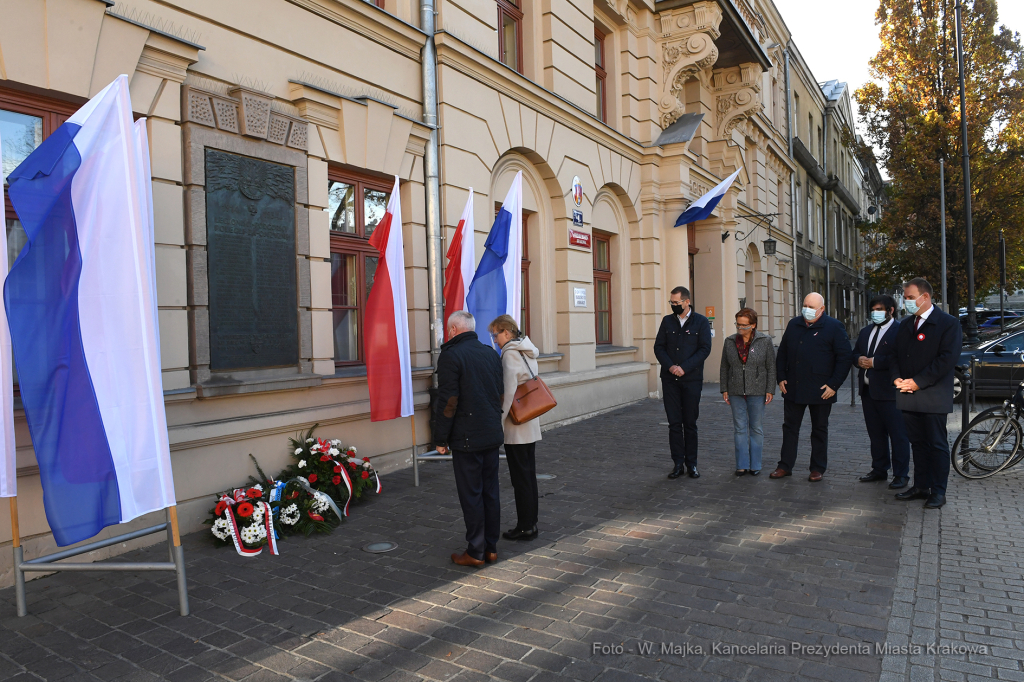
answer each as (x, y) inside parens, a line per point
(744, 327)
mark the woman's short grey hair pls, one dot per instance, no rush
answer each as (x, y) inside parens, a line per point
(462, 320)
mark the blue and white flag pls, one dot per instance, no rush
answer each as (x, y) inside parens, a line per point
(496, 287)
(702, 208)
(82, 306)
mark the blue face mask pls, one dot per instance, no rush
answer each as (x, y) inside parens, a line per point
(879, 316)
(911, 306)
(809, 313)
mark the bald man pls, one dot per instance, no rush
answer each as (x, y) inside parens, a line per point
(812, 363)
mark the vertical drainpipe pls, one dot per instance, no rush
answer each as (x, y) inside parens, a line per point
(792, 175)
(824, 211)
(432, 186)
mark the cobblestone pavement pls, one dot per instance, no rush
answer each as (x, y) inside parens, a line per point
(626, 558)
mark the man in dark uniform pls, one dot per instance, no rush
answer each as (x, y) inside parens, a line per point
(467, 421)
(682, 346)
(812, 363)
(928, 346)
(882, 418)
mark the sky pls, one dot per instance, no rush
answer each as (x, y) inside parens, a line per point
(851, 39)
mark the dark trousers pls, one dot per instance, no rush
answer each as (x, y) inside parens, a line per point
(792, 416)
(884, 422)
(522, 469)
(928, 438)
(476, 479)
(682, 406)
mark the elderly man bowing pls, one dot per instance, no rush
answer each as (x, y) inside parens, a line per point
(812, 363)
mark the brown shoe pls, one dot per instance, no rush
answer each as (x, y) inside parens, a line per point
(491, 557)
(815, 477)
(779, 473)
(466, 560)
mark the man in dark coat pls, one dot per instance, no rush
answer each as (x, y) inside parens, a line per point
(812, 363)
(682, 345)
(882, 418)
(467, 421)
(928, 346)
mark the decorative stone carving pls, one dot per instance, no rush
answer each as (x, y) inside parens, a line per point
(687, 50)
(297, 139)
(737, 96)
(226, 111)
(278, 130)
(254, 110)
(197, 107)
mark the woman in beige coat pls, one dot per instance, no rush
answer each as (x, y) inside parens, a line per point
(518, 360)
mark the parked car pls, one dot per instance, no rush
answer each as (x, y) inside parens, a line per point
(998, 365)
(993, 321)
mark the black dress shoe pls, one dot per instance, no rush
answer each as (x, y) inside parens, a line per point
(692, 472)
(899, 482)
(741, 472)
(755, 472)
(521, 534)
(935, 501)
(677, 471)
(914, 493)
(874, 476)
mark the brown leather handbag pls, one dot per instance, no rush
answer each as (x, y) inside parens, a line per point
(533, 398)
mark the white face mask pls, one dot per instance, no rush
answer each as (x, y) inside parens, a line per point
(809, 313)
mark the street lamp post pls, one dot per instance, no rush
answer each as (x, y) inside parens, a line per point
(972, 314)
(942, 210)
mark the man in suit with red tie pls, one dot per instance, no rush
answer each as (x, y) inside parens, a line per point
(927, 348)
(883, 419)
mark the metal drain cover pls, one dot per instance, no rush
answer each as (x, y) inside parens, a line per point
(380, 547)
(545, 477)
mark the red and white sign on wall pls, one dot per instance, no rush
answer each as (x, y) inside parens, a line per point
(577, 238)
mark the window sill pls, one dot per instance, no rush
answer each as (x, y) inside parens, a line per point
(235, 385)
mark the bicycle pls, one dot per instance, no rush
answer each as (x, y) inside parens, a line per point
(992, 441)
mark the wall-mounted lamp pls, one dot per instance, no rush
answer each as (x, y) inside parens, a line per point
(769, 246)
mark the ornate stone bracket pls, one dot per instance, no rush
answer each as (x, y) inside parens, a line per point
(687, 50)
(737, 96)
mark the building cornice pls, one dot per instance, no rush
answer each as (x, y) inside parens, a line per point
(369, 20)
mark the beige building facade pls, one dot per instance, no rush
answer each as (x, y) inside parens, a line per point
(648, 105)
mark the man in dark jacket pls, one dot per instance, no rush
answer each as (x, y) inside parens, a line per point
(467, 421)
(682, 346)
(928, 346)
(812, 363)
(882, 418)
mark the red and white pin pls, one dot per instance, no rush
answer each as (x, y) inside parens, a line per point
(920, 337)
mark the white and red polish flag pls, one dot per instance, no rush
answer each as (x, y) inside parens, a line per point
(461, 264)
(388, 365)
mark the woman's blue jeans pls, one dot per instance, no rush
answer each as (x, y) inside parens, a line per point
(747, 414)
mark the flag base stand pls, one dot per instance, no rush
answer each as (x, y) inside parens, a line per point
(48, 563)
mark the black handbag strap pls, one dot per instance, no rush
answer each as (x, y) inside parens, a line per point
(523, 356)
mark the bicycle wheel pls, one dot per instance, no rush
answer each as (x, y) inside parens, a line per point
(991, 442)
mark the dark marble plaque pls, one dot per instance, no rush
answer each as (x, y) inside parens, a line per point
(250, 233)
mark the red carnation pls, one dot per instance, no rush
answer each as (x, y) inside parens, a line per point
(337, 468)
(219, 509)
(336, 480)
(366, 459)
(353, 465)
(245, 510)
(253, 493)
(324, 458)
(312, 478)
(366, 474)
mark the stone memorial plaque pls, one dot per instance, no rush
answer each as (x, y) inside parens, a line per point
(250, 233)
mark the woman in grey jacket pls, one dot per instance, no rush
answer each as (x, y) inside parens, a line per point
(747, 382)
(518, 364)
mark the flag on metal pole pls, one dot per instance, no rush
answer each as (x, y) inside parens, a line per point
(8, 458)
(81, 303)
(388, 363)
(702, 208)
(461, 260)
(496, 286)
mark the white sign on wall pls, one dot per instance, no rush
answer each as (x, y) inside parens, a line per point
(580, 297)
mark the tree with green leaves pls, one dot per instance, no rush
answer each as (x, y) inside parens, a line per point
(911, 110)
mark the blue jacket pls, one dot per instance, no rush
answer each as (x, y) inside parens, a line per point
(928, 356)
(686, 345)
(810, 357)
(879, 386)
